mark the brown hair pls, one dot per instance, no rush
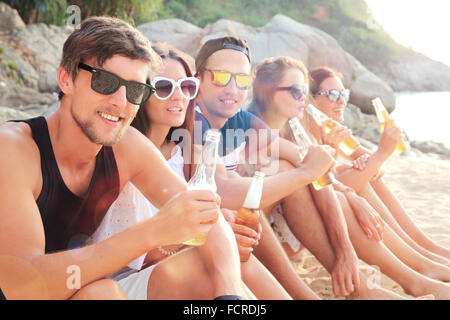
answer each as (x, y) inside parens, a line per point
(142, 121)
(213, 45)
(319, 74)
(102, 38)
(268, 75)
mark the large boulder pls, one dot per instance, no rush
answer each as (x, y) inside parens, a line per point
(9, 19)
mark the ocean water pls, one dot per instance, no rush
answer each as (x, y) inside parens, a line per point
(424, 116)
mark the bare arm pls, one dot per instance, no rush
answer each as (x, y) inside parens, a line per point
(234, 189)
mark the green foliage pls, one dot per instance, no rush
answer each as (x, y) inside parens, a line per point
(11, 65)
(55, 11)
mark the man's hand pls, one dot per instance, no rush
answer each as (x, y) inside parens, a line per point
(345, 274)
(186, 215)
(319, 160)
(246, 237)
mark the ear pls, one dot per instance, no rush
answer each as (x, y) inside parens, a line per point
(65, 81)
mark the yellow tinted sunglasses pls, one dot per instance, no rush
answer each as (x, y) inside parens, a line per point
(222, 78)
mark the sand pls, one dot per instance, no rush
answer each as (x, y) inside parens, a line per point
(423, 187)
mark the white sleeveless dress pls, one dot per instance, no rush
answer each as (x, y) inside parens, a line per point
(132, 207)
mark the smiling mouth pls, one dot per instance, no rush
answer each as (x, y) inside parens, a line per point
(228, 101)
(175, 109)
(109, 117)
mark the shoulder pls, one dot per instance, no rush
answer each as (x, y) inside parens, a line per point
(246, 120)
(19, 156)
(132, 152)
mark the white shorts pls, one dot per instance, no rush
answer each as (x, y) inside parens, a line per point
(135, 285)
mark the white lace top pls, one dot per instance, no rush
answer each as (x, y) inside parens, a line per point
(130, 208)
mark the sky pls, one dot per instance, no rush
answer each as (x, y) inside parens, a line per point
(422, 25)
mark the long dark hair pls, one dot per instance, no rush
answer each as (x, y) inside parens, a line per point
(142, 121)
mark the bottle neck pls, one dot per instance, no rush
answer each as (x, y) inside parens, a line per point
(203, 177)
(254, 193)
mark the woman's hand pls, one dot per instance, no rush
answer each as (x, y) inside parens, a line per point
(361, 162)
(338, 134)
(390, 137)
(369, 219)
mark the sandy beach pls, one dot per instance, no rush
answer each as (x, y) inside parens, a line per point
(423, 187)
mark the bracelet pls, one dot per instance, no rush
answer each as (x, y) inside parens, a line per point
(169, 252)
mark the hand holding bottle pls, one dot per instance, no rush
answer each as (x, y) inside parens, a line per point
(186, 215)
(390, 138)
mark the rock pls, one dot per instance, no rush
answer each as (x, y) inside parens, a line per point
(431, 147)
(362, 125)
(7, 114)
(14, 96)
(416, 72)
(9, 19)
(182, 35)
(48, 82)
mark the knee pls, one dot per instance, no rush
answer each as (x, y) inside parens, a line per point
(105, 289)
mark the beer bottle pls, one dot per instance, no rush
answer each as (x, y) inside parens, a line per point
(248, 214)
(348, 146)
(203, 178)
(303, 142)
(383, 116)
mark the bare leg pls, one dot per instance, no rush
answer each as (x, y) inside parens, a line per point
(262, 282)
(272, 255)
(105, 289)
(306, 224)
(375, 253)
(403, 219)
(220, 253)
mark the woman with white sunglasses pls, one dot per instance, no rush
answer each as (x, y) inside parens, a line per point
(365, 173)
(169, 108)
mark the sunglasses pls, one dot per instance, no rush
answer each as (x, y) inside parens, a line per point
(222, 78)
(296, 91)
(105, 82)
(334, 95)
(165, 87)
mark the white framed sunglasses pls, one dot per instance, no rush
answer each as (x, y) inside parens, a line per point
(164, 87)
(334, 94)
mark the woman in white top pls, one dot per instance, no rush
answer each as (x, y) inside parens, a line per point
(170, 108)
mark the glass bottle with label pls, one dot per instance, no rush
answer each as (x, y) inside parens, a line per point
(249, 214)
(383, 117)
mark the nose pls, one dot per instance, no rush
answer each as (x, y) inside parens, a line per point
(231, 86)
(119, 98)
(177, 94)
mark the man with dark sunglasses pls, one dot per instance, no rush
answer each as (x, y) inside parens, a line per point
(220, 98)
(58, 177)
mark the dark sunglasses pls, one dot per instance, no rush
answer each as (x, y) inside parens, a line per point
(222, 78)
(105, 82)
(296, 91)
(334, 95)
